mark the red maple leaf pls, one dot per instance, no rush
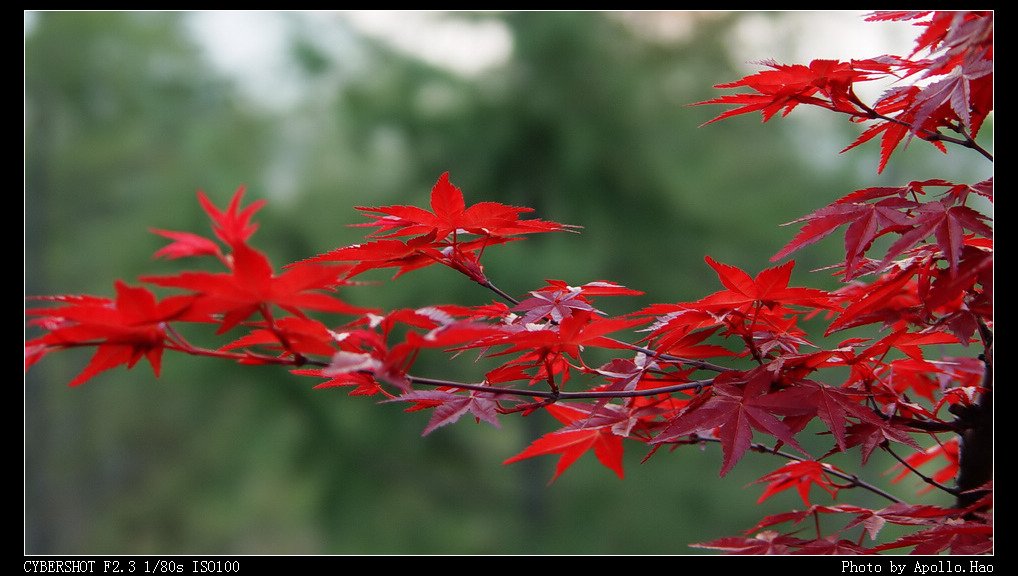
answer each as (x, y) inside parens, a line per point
(451, 234)
(571, 444)
(364, 384)
(558, 300)
(233, 226)
(186, 244)
(252, 284)
(411, 254)
(569, 337)
(769, 288)
(449, 407)
(825, 83)
(290, 335)
(802, 475)
(449, 215)
(735, 406)
(124, 329)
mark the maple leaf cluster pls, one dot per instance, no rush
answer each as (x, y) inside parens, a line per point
(735, 368)
(951, 91)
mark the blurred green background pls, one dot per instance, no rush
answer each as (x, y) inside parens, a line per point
(580, 115)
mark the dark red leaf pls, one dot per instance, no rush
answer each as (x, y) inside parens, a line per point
(736, 406)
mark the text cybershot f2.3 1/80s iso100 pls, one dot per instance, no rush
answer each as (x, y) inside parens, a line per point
(934, 566)
(134, 566)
